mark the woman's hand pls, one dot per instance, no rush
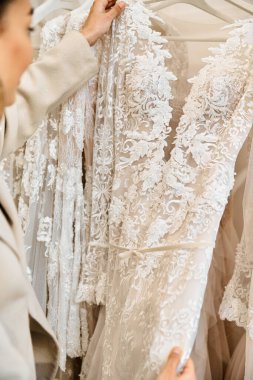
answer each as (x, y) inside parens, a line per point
(169, 372)
(100, 18)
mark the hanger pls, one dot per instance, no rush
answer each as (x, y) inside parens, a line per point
(156, 5)
(49, 6)
(178, 38)
(243, 7)
(200, 4)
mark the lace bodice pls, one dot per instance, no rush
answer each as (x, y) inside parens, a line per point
(164, 214)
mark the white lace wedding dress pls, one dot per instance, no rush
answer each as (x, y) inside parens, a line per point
(163, 215)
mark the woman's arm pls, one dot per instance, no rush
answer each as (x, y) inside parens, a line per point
(56, 76)
(47, 83)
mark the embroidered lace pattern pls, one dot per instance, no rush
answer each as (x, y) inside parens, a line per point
(235, 305)
(164, 215)
(137, 57)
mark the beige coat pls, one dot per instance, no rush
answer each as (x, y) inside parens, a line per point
(46, 83)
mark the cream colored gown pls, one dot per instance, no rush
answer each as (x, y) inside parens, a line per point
(164, 214)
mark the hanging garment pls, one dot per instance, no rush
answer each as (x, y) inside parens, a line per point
(98, 191)
(164, 216)
(47, 179)
(92, 287)
(234, 332)
(211, 352)
(237, 303)
(236, 367)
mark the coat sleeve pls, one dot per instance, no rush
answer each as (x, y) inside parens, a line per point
(47, 83)
(16, 352)
(13, 365)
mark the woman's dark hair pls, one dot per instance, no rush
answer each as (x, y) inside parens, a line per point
(3, 6)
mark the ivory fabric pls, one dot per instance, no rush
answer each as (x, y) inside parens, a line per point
(237, 302)
(163, 215)
(26, 337)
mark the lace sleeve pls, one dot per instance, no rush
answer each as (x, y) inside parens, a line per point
(164, 215)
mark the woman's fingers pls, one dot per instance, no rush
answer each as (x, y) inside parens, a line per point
(116, 9)
(100, 18)
(110, 4)
(170, 369)
(100, 5)
(174, 359)
(188, 371)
